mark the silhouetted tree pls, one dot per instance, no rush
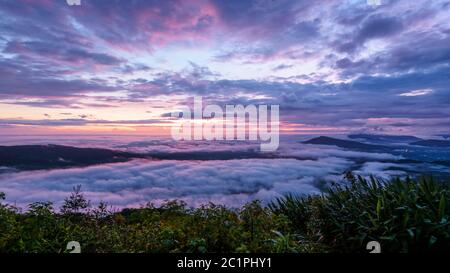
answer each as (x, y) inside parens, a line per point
(75, 203)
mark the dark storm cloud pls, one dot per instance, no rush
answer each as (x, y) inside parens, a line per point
(373, 27)
(19, 78)
(57, 52)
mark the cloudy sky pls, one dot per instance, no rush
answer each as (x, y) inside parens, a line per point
(119, 66)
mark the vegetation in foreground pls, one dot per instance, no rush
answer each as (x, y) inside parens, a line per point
(403, 215)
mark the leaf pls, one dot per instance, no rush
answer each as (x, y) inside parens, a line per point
(379, 207)
(432, 240)
(441, 207)
(410, 232)
(388, 238)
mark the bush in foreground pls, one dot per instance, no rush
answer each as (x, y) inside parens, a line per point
(403, 215)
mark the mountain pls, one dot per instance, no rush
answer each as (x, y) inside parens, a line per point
(347, 144)
(33, 157)
(384, 138)
(432, 143)
(445, 136)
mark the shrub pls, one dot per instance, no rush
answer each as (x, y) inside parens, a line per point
(403, 215)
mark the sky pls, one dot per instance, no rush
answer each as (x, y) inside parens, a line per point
(119, 67)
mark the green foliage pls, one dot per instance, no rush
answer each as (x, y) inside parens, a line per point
(297, 209)
(76, 203)
(403, 215)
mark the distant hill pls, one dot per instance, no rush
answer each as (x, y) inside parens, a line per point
(432, 143)
(348, 144)
(384, 138)
(32, 157)
(35, 157)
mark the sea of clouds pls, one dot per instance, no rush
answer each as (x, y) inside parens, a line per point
(296, 168)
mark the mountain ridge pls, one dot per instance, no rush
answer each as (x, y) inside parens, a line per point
(347, 144)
